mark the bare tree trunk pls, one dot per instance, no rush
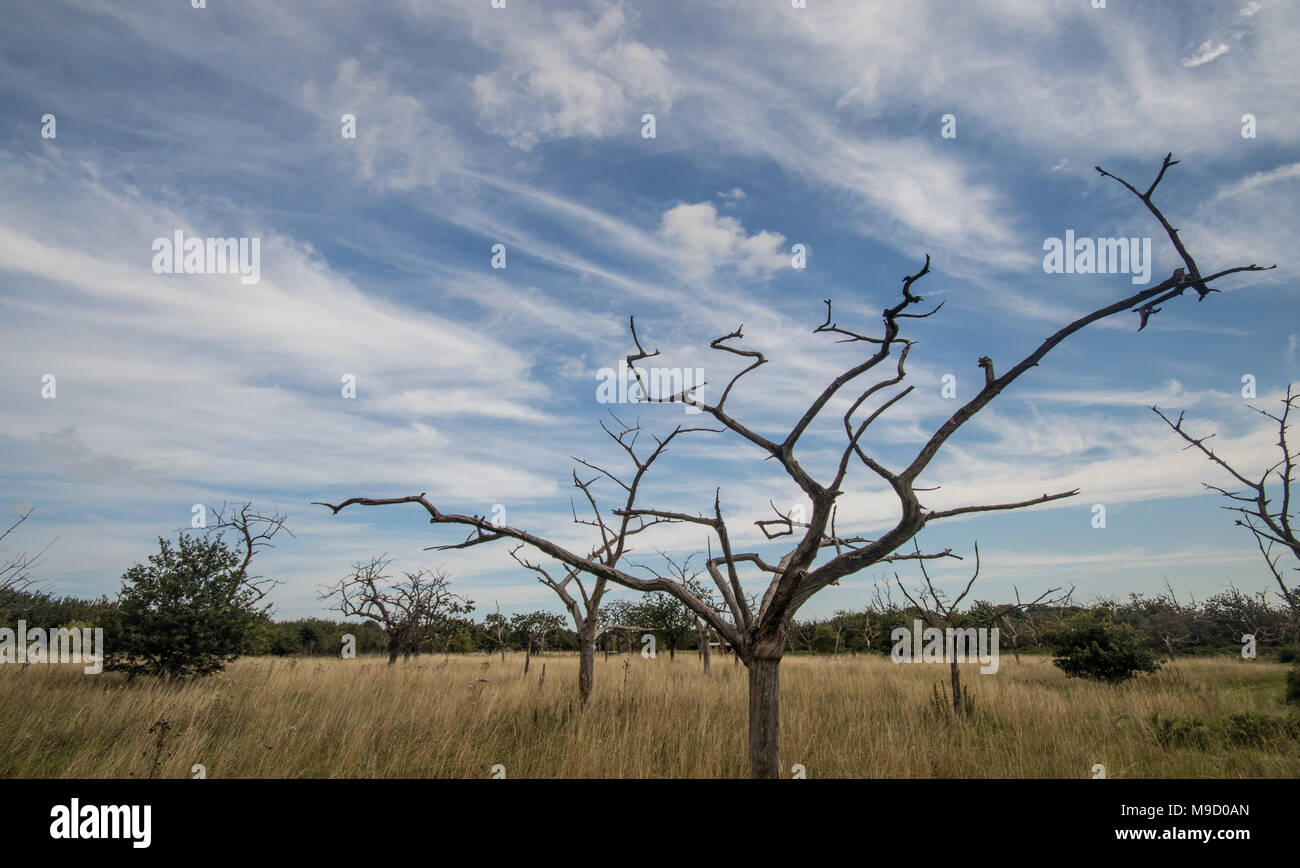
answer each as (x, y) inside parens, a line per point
(765, 717)
(586, 666)
(528, 655)
(956, 686)
(702, 639)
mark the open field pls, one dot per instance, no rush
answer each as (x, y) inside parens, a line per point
(841, 717)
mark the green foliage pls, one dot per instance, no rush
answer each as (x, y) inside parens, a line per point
(186, 614)
(660, 613)
(824, 639)
(535, 629)
(462, 640)
(1180, 732)
(1251, 729)
(1092, 645)
(1292, 695)
(44, 610)
(1247, 729)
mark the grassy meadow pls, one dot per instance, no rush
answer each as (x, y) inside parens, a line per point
(841, 717)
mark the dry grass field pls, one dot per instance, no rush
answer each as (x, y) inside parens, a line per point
(842, 717)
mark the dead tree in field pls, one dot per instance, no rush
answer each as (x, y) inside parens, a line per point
(253, 532)
(942, 615)
(18, 589)
(409, 613)
(584, 606)
(681, 571)
(1266, 508)
(535, 627)
(820, 555)
(989, 613)
(494, 628)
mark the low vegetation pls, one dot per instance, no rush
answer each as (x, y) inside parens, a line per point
(458, 716)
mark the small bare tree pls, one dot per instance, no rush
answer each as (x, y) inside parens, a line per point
(410, 612)
(938, 613)
(682, 572)
(249, 532)
(1265, 507)
(494, 628)
(535, 627)
(17, 585)
(820, 555)
(585, 607)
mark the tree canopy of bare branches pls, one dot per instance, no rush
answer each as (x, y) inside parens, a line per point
(252, 532)
(411, 612)
(16, 581)
(819, 554)
(936, 611)
(1263, 504)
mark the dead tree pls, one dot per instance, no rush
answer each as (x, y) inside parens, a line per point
(409, 613)
(494, 628)
(820, 556)
(253, 532)
(535, 627)
(584, 606)
(882, 602)
(942, 615)
(18, 588)
(691, 579)
(1265, 507)
(1007, 624)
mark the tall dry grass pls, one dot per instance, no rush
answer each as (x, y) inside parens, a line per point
(848, 716)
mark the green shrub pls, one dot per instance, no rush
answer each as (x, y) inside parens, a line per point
(1293, 685)
(1092, 645)
(1243, 730)
(184, 615)
(1180, 732)
(1251, 729)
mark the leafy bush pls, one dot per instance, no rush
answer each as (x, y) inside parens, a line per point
(1092, 645)
(1293, 685)
(285, 643)
(184, 615)
(1251, 729)
(1245, 729)
(1180, 731)
(824, 639)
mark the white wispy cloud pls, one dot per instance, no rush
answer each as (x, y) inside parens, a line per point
(574, 75)
(1207, 52)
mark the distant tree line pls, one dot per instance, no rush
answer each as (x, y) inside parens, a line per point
(1165, 625)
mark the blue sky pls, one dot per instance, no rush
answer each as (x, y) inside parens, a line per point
(522, 126)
